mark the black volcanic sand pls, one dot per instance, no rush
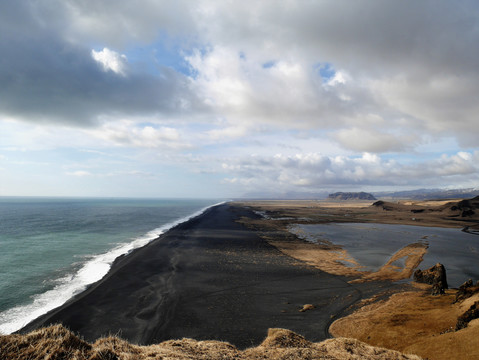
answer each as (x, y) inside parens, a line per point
(209, 278)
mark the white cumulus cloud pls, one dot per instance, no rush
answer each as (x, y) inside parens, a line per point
(110, 60)
(316, 172)
(128, 133)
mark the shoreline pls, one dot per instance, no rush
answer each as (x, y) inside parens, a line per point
(209, 278)
(232, 273)
(91, 270)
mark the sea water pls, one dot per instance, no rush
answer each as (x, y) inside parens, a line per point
(52, 248)
(373, 244)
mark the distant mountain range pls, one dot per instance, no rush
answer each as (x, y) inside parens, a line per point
(419, 194)
(422, 194)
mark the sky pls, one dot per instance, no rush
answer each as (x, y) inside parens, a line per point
(233, 98)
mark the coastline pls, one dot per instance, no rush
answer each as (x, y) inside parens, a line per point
(85, 253)
(209, 278)
(233, 273)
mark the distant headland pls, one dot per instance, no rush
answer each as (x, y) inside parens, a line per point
(351, 196)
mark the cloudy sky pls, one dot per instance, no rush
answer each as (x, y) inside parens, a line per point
(226, 98)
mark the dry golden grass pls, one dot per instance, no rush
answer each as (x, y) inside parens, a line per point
(415, 322)
(305, 204)
(56, 342)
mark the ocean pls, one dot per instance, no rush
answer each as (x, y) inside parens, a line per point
(51, 249)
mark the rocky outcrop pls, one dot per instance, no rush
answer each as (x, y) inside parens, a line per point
(435, 276)
(351, 196)
(463, 208)
(466, 290)
(471, 314)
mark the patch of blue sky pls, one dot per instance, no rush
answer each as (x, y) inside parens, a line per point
(165, 52)
(269, 64)
(325, 70)
(409, 158)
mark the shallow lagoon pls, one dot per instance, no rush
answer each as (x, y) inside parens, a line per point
(373, 244)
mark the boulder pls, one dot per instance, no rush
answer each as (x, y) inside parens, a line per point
(435, 276)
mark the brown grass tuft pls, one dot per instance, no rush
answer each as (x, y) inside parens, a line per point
(352, 349)
(56, 342)
(281, 338)
(52, 343)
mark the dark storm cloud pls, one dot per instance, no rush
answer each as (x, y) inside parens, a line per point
(44, 77)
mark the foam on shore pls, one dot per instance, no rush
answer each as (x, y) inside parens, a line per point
(93, 270)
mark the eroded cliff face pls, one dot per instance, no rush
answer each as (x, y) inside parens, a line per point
(56, 342)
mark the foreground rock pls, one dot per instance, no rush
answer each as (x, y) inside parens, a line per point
(435, 276)
(56, 342)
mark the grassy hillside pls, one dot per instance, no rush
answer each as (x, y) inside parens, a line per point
(56, 342)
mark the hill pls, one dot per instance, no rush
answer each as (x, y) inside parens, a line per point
(428, 194)
(351, 196)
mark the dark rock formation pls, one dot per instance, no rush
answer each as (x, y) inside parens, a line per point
(468, 212)
(466, 290)
(435, 276)
(465, 207)
(387, 206)
(417, 211)
(351, 196)
(471, 314)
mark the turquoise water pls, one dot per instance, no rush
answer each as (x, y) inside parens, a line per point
(52, 249)
(373, 244)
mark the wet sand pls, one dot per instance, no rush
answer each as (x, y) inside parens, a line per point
(211, 278)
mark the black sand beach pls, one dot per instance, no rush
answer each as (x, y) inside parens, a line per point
(210, 278)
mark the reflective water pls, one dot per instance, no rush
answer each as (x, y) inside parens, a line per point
(373, 244)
